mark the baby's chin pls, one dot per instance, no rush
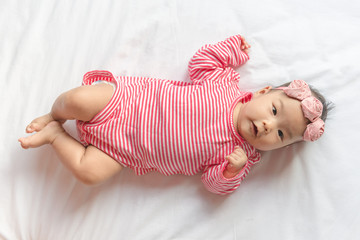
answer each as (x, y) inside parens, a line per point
(261, 147)
(266, 149)
(274, 147)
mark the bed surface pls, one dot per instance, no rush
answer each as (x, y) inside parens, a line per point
(306, 191)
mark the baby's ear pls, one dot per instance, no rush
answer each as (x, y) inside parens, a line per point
(263, 91)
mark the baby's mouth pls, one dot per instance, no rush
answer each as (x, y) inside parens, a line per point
(255, 129)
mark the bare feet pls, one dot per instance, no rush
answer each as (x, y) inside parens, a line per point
(39, 123)
(46, 135)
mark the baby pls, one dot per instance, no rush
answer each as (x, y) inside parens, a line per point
(208, 125)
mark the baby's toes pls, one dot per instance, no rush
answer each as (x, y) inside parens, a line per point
(24, 143)
(33, 127)
(36, 126)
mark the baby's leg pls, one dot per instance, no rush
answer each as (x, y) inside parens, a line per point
(81, 103)
(90, 165)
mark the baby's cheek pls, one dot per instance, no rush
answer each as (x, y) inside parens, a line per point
(270, 142)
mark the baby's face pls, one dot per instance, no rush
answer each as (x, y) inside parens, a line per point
(271, 120)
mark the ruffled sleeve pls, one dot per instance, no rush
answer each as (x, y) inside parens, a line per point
(215, 61)
(215, 181)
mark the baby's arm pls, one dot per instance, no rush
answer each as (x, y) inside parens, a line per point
(212, 60)
(226, 177)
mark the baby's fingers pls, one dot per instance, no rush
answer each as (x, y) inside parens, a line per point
(233, 165)
(231, 159)
(238, 156)
(244, 45)
(239, 151)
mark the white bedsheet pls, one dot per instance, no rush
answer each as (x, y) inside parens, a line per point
(307, 191)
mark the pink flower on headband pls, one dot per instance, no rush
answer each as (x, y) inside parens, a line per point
(298, 89)
(314, 130)
(311, 107)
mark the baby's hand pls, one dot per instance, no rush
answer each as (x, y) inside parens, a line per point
(244, 45)
(237, 160)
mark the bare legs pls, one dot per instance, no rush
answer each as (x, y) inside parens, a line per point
(90, 165)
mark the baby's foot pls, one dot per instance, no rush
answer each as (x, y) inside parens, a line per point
(39, 123)
(44, 136)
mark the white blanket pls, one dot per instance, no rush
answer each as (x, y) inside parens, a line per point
(306, 191)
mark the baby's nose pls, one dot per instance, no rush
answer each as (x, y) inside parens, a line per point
(268, 126)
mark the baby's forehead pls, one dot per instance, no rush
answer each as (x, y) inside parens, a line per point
(279, 94)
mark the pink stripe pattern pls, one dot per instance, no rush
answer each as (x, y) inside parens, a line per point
(176, 127)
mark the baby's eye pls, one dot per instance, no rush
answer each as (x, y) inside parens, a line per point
(274, 110)
(281, 134)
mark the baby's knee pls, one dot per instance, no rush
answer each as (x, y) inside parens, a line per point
(88, 174)
(89, 178)
(96, 167)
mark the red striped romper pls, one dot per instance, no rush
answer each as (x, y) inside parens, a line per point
(176, 127)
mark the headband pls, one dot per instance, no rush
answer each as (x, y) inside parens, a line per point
(311, 107)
